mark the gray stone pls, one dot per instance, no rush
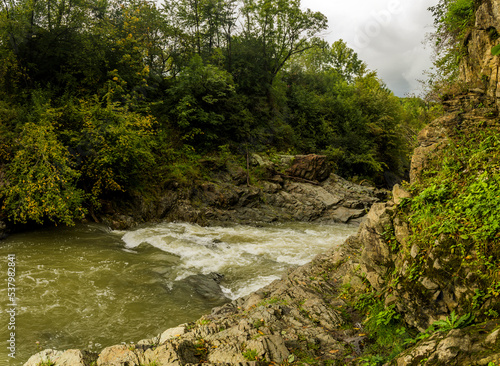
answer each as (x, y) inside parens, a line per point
(399, 193)
(492, 337)
(172, 333)
(414, 250)
(428, 284)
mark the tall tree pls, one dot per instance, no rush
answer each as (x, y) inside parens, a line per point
(280, 29)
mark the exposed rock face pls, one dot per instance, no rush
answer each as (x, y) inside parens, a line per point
(479, 67)
(465, 113)
(297, 195)
(474, 345)
(310, 167)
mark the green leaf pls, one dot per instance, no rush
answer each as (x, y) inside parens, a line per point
(495, 51)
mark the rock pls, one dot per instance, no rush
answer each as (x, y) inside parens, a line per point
(398, 194)
(310, 167)
(492, 338)
(45, 355)
(344, 215)
(172, 333)
(430, 139)
(428, 284)
(258, 160)
(480, 67)
(414, 250)
(118, 356)
(172, 353)
(71, 357)
(401, 231)
(270, 347)
(206, 286)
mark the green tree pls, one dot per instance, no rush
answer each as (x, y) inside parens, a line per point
(40, 181)
(345, 61)
(200, 104)
(112, 145)
(452, 20)
(277, 30)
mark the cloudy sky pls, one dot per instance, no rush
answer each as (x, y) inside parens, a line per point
(387, 34)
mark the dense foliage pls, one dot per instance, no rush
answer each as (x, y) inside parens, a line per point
(453, 19)
(101, 97)
(454, 209)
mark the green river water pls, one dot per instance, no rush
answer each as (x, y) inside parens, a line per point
(90, 287)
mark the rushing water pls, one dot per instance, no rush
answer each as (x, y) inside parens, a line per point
(88, 287)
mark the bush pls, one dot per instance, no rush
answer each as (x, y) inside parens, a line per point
(40, 180)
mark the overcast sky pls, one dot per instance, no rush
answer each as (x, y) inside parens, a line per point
(387, 34)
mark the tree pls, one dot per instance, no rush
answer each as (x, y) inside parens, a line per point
(112, 146)
(345, 61)
(41, 182)
(278, 30)
(452, 20)
(201, 103)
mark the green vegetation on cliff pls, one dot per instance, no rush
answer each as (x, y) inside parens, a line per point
(127, 95)
(453, 20)
(455, 211)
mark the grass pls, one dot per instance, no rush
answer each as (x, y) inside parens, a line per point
(46, 363)
(251, 354)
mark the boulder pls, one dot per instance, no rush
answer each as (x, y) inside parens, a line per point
(310, 167)
(207, 286)
(172, 333)
(71, 357)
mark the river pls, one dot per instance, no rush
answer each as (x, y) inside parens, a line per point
(90, 287)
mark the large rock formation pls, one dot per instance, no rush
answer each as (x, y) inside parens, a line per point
(480, 68)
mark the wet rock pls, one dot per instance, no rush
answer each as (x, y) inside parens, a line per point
(207, 286)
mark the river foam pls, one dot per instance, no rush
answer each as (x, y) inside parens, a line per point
(249, 257)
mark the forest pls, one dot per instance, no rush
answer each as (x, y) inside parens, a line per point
(106, 97)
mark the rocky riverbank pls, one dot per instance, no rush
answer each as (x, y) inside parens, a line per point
(292, 188)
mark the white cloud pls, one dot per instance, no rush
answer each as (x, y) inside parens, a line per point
(387, 34)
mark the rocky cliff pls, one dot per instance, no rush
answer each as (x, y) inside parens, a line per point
(479, 67)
